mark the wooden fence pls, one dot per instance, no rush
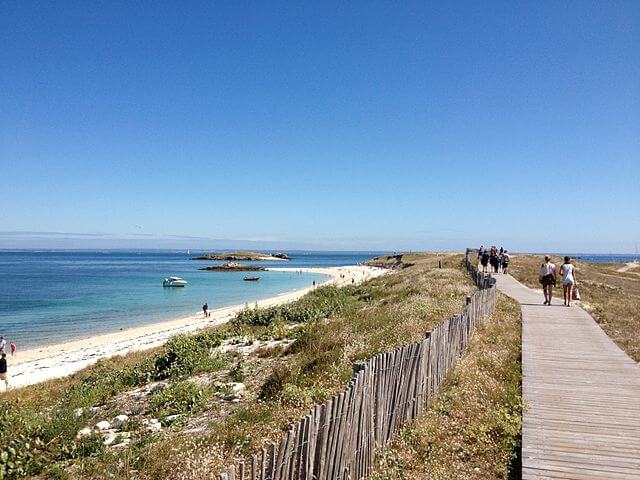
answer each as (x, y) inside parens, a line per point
(338, 439)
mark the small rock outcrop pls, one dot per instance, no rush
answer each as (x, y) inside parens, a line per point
(119, 420)
(233, 267)
(103, 425)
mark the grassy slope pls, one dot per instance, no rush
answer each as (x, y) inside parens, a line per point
(472, 428)
(331, 327)
(611, 297)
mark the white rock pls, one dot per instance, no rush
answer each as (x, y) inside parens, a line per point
(85, 432)
(94, 409)
(119, 420)
(103, 425)
(237, 388)
(154, 427)
(109, 439)
(122, 444)
(172, 418)
(79, 412)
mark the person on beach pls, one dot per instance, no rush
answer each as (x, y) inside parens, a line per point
(505, 262)
(12, 346)
(547, 279)
(314, 284)
(3, 345)
(3, 371)
(568, 272)
(205, 310)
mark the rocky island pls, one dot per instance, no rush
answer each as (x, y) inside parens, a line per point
(233, 267)
(243, 256)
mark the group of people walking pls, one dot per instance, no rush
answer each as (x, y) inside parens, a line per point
(547, 279)
(496, 260)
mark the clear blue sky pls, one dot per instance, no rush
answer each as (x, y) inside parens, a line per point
(346, 125)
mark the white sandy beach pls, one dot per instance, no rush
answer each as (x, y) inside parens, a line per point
(40, 364)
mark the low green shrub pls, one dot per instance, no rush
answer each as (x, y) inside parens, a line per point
(275, 382)
(320, 303)
(237, 372)
(180, 397)
(188, 354)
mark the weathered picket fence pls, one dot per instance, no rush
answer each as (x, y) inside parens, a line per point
(338, 439)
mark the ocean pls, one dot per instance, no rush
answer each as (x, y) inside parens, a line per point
(605, 257)
(56, 296)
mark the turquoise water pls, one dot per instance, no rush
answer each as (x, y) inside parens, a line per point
(59, 296)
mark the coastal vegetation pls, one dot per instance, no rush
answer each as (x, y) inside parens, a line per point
(610, 292)
(472, 429)
(189, 408)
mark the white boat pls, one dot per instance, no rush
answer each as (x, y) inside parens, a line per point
(174, 282)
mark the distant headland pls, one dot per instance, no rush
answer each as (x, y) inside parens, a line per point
(243, 256)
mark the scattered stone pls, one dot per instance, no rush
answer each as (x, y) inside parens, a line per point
(119, 420)
(84, 433)
(103, 425)
(153, 425)
(79, 411)
(122, 444)
(173, 418)
(157, 387)
(237, 388)
(110, 438)
(94, 409)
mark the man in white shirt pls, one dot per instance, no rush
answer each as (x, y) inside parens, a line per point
(547, 279)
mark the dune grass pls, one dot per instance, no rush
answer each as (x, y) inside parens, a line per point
(472, 429)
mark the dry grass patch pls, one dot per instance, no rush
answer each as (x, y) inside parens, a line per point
(472, 429)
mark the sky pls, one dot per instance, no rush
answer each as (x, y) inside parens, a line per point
(320, 125)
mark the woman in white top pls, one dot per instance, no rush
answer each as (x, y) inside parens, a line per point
(568, 272)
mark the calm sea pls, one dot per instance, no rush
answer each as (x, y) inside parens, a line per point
(605, 258)
(50, 297)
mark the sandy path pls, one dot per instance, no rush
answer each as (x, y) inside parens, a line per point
(40, 364)
(628, 266)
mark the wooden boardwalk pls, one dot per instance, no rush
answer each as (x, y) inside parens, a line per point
(581, 393)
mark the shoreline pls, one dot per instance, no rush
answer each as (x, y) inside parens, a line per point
(45, 363)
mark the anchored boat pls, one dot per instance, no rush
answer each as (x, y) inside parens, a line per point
(174, 282)
(251, 279)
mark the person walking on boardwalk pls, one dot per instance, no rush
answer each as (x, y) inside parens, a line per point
(3, 371)
(568, 272)
(505, 261)
(484, 260)
(480, 254)
(547, 279)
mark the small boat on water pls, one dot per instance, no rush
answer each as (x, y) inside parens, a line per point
(251, 279)
(174, 282)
